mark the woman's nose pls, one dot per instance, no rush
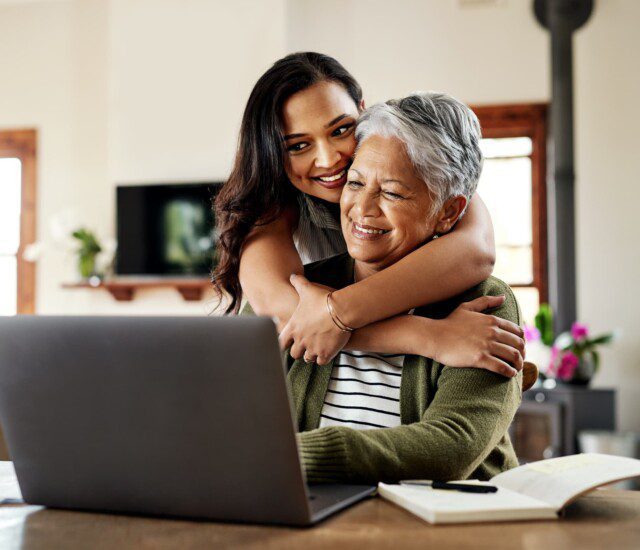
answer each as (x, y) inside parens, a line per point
(367, 205)
(327, 156)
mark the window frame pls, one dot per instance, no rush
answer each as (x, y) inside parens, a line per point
(526, 120)
(21, 144)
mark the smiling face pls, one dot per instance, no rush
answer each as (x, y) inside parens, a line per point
(319, 127)
(385, 208)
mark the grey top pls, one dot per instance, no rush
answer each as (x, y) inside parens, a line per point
(318, 235)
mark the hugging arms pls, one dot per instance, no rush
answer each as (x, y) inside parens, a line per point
(279, 210)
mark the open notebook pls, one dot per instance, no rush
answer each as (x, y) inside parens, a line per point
(538, 490)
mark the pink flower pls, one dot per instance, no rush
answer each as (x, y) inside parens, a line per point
(531, 333)
(568, 365)
(579, 331)
(553, 361)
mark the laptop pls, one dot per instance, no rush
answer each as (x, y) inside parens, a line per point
(185, 417)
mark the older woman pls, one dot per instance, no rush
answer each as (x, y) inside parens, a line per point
(369, 417)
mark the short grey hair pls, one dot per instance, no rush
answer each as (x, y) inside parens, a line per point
(441, 136)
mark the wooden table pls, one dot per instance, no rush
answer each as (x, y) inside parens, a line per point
(608, 519)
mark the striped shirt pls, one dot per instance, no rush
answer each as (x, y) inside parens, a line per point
(364, 391)
(318, 235)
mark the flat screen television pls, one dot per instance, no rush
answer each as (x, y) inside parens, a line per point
(165, 230)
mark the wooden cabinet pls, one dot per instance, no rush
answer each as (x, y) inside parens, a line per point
(549, 420)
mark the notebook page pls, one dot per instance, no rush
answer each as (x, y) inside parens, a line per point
(556, 481)
(440, 506)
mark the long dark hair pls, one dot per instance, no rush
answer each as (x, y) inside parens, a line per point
(258, 189)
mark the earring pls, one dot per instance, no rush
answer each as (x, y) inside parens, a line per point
(435, 236)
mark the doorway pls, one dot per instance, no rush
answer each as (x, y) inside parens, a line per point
(17, 220)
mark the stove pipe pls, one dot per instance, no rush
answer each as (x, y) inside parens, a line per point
(561, 17)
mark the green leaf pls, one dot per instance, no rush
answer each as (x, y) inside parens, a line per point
(596, 361)
(544, 323)
(602, 339)
(88, 242)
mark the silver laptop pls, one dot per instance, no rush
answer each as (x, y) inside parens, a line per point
(165, 416)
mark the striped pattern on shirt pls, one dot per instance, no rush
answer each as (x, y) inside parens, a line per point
(364, 391)
(318, 235)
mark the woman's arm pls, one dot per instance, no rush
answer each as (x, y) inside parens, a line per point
(466, 337)
(470, 413)
(446, 267)
(441, 269)
(468, 416)
(268, 259)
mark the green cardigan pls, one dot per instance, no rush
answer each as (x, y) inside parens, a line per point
(454, 420)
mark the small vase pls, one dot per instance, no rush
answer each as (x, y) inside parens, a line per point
(86, 265)
(584, 371)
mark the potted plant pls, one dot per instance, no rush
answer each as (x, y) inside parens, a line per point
(87, 252)
(570, 358)
(574, 355)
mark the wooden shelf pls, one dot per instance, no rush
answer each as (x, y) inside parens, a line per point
(123, 288)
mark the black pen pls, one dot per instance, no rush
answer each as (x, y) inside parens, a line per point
(463, 487)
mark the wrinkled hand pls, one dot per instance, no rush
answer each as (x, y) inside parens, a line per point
(470, 338)
(310, 332)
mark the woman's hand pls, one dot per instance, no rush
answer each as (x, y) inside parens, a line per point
(470, 338)
(311, 332)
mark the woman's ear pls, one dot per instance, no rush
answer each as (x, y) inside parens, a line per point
(450, 213)
(362, 106)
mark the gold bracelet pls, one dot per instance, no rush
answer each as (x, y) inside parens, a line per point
(334, 317)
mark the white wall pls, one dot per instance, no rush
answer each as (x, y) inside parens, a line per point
(607, 85)
(180, 73)
(479, 54)
(53, 59)
(126, 91)
(153, 90)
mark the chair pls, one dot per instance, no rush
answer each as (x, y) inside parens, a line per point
(529, 375)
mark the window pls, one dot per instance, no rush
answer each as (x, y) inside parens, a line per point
(513, 187)
(17, 220)
(10, 191)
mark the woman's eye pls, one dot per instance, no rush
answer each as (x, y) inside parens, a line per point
(342, 130)
(393, 196)
(354, 184)
(297, 147)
